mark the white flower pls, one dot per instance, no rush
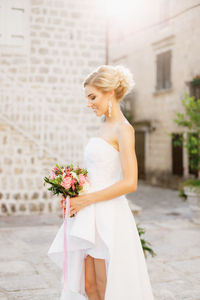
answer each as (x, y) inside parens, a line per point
(85, 188)
(75, 175)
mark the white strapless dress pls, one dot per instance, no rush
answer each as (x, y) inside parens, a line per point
(106, 229)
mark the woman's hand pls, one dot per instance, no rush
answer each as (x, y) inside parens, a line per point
(76, 203)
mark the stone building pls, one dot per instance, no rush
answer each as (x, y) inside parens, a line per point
(160, 44)
(47, 47)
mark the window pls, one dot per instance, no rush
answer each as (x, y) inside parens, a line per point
(163, 64)
(13, 23)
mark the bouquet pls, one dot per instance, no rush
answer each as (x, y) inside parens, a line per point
(68, 181)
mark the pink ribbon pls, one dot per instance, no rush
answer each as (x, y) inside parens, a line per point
(65, 217)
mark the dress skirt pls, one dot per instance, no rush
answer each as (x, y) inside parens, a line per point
(105, 230)
(99, 250)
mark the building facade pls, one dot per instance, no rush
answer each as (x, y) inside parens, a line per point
(160, 44)
(47, 48)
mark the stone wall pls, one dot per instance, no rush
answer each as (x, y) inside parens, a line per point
(137, 47)
(44, 116)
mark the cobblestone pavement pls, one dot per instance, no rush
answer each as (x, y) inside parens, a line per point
(27, 272)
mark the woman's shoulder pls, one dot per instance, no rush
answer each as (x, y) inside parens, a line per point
(125, 126)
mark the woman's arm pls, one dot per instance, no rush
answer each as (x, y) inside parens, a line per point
(126, 141)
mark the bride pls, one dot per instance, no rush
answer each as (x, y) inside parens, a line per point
(106, 259)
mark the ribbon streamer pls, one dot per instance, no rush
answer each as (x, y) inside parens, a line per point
(65, 257)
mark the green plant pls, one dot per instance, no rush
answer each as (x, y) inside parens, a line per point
(196, 80)
(191, 121)
(145, 244)
(190, 182)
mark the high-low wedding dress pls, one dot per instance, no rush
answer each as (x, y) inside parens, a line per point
(106, 229)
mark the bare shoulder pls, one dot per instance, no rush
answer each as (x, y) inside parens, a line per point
(126, 130)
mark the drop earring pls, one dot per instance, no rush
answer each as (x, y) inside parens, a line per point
(109, 108)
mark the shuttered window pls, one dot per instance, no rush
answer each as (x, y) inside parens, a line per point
(2, 23)
(13, 22)
(163, 62)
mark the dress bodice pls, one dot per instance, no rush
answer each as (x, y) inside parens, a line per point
(102, 162)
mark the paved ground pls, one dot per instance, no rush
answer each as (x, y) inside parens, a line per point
(27, 273)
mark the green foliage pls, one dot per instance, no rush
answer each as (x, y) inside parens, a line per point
(145, 245)
(196, 80)
(190, 120)
(190, 182)
(55, 187)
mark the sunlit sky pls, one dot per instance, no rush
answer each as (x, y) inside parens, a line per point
(125, 16)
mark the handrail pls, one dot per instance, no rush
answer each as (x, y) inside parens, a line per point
(30, 137)
(41, 93)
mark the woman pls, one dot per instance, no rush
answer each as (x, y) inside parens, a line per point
(106, 259)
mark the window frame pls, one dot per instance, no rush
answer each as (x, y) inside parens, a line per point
(163, 70)
(7, 44)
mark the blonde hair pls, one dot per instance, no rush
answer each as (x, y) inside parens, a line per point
(106, 78)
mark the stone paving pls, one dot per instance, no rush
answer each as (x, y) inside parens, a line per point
(27, 273)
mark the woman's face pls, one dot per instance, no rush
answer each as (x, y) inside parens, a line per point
(97, 100)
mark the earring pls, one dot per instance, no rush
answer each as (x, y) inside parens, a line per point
(109, 108)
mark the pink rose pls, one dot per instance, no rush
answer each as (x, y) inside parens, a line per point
(55, 169)
(73, 186)
(82, 179)
(67, 182)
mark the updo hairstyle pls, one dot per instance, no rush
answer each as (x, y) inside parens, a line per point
(106, 78)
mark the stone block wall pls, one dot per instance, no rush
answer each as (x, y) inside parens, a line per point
(44, 116)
